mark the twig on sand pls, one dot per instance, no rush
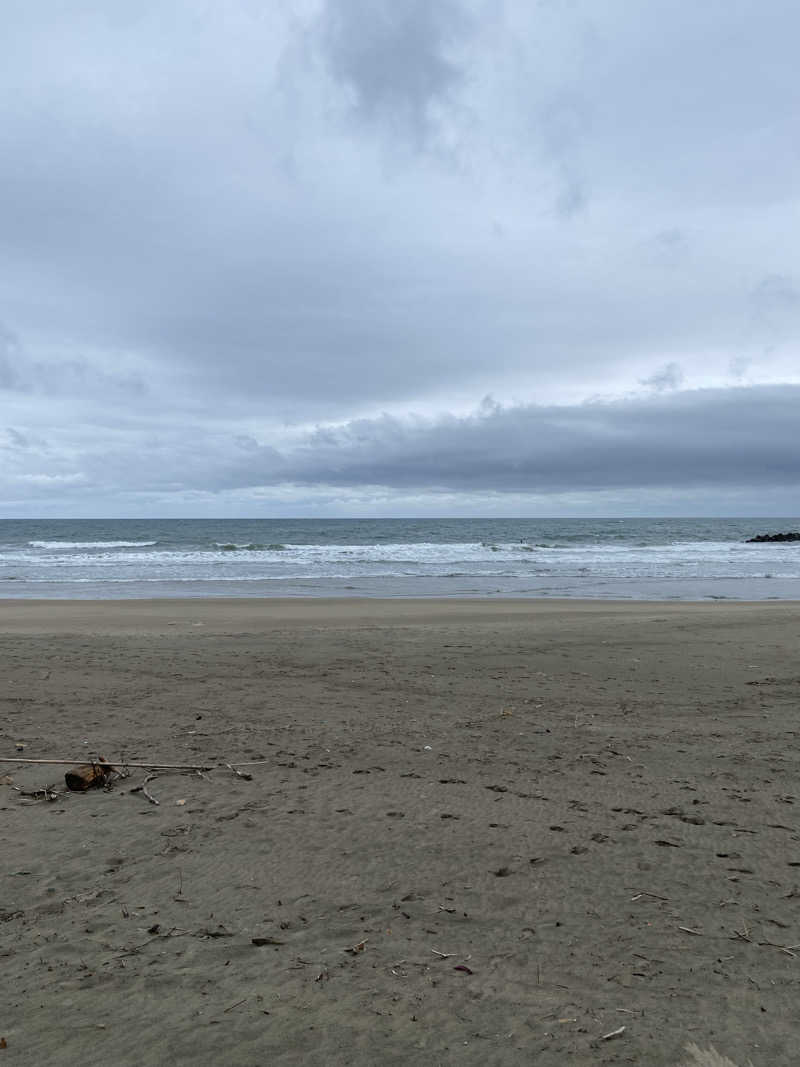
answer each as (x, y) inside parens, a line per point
(115, 775)
(158, 935)
(689, 930)
(239, 774)
(784, 948)
(442, 955)
(112, 763)
(143, 789)
(48, 793)
(613, 1033)
(647, 893)
(355, 949)
(236, 1005)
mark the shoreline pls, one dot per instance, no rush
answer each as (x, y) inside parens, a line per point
(503, 588)
(223, 614)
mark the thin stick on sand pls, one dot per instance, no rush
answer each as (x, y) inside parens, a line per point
(783, 948)
(239, 774)
(111, 763)
(251, 763)
(613, 1033)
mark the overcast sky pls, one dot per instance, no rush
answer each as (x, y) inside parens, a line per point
(399, 257)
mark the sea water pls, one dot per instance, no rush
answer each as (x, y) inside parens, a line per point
(641, 559)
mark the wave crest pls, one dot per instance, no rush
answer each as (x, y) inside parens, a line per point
(92, 544)
(250, 547)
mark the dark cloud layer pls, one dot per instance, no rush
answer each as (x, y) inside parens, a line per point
(716, 439)
(703, 438)
(241, 246)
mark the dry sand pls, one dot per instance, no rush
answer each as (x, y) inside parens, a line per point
(540, 822)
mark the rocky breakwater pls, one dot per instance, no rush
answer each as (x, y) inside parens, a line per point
(759, 539)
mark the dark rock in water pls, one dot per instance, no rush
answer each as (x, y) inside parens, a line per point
(792, 535)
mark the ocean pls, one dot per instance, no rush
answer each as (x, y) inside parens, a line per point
(626, 559)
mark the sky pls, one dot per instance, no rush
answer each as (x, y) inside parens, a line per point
(399, 257)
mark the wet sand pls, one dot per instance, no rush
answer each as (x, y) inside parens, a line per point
(482, 832)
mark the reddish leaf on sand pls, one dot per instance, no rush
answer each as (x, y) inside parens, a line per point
(462, 967)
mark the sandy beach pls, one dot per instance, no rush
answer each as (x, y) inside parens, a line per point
(473, 833)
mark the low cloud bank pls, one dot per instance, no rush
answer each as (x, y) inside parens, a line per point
(713, 437)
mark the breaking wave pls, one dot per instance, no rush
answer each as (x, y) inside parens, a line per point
(92, 544)
(250, 547)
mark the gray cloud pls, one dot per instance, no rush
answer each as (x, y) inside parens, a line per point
(396, 59)
(670, 376)
(678, 441)
(565, 122)
(681, 440)
(221, 228)
(14, 439)
(73, 375)
(776, 302)
(9, 359)
(668, 248)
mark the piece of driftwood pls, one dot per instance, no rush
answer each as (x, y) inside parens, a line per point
(239, 774)
(48, 793)
(88, 776)
(143, 789)
(146, 792)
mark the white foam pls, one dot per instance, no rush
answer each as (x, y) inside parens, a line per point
(91, 544)
(107, 561)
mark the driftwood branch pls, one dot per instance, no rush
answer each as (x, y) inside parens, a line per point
(613, 1033)
(239, 774)
(143, 789)
(149, 796)
(113, 763)
(47, 793)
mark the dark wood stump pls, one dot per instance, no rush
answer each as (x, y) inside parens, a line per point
(88, 776)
